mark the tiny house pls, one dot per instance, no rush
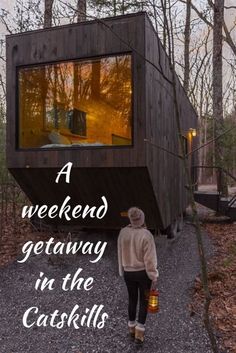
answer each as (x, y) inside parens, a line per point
(95, 94)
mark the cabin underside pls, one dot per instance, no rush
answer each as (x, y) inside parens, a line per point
(122, 188)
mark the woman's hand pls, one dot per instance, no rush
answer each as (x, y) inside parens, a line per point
(154, 284)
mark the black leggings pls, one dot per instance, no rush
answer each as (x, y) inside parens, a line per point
(137, 283)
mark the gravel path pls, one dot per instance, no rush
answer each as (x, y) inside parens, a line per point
(171, 331)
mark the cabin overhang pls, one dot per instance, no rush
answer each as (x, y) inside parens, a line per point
(121, 187)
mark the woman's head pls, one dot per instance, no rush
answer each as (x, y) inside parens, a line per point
(136, 217)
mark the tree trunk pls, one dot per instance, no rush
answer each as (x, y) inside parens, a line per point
(165, 24)
(123, 7)
(200, 172)
(155, 14)
(81, 16)
(187, 33)
(48, 4)
(218, 91)
(48, 13)
(82, 8)
(114, 7)
(201, 251)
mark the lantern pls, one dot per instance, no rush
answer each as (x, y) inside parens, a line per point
(153, 301)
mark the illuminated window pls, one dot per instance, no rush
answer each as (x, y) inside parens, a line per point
(76, 103)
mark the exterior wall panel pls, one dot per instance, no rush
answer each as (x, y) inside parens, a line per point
(138, 175)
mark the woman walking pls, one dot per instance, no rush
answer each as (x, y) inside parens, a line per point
(138, 264)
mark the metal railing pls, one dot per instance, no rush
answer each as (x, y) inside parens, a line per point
(221, 171)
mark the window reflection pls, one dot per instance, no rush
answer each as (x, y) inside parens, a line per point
(82, 103)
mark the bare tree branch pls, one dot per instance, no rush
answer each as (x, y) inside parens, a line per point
(227, 38)
(103, 23)
(211, 141)
(3, 85)
(199, 13)
(230, 7)
(4, 22)
(163, 149)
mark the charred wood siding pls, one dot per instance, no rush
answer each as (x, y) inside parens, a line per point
(118, 185)
(166, 170)
(128, 175)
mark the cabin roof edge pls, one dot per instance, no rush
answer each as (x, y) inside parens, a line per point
(82, 23)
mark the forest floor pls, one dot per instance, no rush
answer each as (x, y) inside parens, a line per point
(222, 278)
(176, 328)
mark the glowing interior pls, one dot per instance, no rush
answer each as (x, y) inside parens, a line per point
(79, 103)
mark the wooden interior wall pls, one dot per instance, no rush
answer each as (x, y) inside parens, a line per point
(49, 94)
(166, 170)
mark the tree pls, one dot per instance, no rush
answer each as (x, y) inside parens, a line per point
(187, 46)
(218, 90)
(48, 13)
(203, 15)
(81, 7)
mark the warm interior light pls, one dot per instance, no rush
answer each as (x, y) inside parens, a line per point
(193, 132)
(76, 103)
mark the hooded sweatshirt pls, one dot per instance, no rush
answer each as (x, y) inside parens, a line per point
(137, 251)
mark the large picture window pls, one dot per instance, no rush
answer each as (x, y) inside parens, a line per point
(76, 103)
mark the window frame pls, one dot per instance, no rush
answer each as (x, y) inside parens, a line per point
(83, 147)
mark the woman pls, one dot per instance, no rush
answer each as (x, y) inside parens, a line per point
(138, 263)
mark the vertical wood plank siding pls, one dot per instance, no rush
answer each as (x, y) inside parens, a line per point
(166, 170)
(136, 175)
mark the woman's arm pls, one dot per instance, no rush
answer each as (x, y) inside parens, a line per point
(150, 257)
(121, 271)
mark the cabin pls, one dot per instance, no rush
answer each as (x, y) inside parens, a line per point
(97, 94)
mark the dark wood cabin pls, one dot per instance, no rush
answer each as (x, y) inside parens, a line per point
(90, 93)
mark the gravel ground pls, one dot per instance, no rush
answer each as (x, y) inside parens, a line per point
(171, 330)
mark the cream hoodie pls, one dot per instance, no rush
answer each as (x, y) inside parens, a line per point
(137, 251)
